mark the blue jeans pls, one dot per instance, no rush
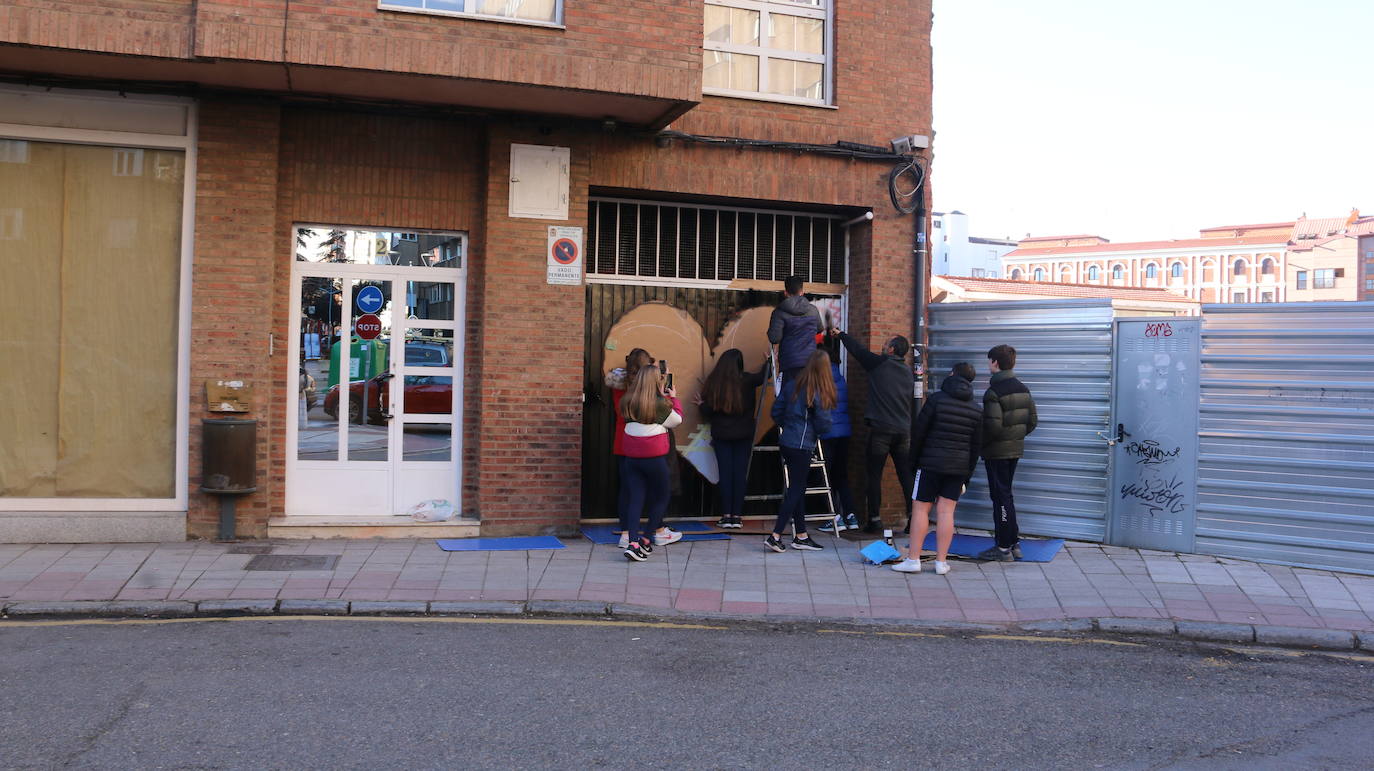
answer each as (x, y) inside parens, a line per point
(732, 458)
(794, 499)
(646, 487)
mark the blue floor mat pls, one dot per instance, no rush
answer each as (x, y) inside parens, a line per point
(1042, 550)
(526, 543)
(605, 535)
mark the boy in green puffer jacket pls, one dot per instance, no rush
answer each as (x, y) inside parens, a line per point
(1008, 416)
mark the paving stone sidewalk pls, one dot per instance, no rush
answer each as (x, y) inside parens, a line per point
(736, 576)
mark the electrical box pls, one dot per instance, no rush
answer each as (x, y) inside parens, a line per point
(539, 182)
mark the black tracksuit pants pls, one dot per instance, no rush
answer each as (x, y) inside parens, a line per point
(1000, 473)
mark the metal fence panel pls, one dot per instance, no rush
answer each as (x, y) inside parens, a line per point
(1064, 354)
(1286, 427)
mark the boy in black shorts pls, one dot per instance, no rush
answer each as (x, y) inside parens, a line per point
(945, 445)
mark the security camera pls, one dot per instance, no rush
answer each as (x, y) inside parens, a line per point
(909, 143)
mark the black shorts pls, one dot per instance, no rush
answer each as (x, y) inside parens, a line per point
(930, 485)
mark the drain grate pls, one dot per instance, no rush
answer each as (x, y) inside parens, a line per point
(251, 548)
(292, 562)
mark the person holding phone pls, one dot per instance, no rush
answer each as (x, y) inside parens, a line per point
(651, 410)
(620, 380)
(802, 413)
(727, 403)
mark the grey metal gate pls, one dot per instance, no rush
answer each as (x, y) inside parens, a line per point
(1152, 496)
(1064, 355)
(1286, 464)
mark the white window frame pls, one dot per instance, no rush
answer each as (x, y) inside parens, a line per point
(185, 142)
(827, 59)
(557, 23)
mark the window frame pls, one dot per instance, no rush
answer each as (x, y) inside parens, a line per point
(826, 13)
(1327, 281)
(383, 5)
(1038, 274)
(1094, 273)
(1118, 272)
(1151, 270)
(1300, 279)
(1176, 269)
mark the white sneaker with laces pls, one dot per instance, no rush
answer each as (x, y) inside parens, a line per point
(908, 566)
(941, 568)
(624, 540)
(666, 536)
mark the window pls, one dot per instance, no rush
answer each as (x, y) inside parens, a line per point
(1369, 268)
(775, 50)
(1176, 270)
(1267, 267)
(544, 12)
(1151, 270)
(1237, 297)
(1324, 279)
(1302, 279)
(1267, 297)
(1239, 268)
(979, 273)
(1094, 272)
(1039, 274)
(1016, 274)
(1369, 284)
(1118, 272)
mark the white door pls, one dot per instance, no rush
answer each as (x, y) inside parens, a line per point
(376, 329)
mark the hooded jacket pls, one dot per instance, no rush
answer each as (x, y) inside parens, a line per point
(799, 424)
(793, 327)
(1008, 416)
(839, 417)
(949, 430)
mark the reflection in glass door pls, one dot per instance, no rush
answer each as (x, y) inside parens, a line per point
(378, 392)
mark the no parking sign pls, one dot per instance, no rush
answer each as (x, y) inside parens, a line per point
(565, 256)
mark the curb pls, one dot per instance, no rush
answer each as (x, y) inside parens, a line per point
(1279, 636)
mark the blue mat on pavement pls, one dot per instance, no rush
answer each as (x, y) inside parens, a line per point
(524, 543)
(1042, 550)
(605, 535)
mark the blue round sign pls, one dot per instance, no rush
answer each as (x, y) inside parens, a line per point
(370, 299)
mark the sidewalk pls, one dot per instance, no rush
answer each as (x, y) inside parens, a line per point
(1147, 591)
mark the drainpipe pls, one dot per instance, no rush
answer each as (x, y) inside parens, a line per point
(919, 287)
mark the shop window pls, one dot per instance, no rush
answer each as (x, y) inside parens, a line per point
(1324, 278)
(776, 50)
(97, 236)
(548, 12)
(1301, 279)
(648, 240)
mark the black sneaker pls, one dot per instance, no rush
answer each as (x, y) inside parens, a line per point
(636, 553)
(774, 543)
(994, 554)
(725, 522)
(806, 544)
(1016, 551)
(647, 545)
(736, 522)
(831, 525)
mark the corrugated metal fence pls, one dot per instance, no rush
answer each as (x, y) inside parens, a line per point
(1286, 462)
(1064, 355)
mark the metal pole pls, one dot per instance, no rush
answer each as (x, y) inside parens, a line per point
(226, 518)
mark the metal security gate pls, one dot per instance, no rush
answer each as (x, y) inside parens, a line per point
(1064, 355)
(1286, 463)
(1153, 431)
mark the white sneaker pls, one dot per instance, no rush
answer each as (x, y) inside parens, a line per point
(941, 568)
(667, 536)
(624, 541)
(908, 566)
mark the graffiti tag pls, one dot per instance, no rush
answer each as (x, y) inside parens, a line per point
(1159, 497)
(1149, 453)
(1159, 329)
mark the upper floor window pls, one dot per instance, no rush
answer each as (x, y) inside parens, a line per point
(1016, 274)
(1302, 279)
(544, 12)
(1118, 272)
(778, 50)
(1151, 270)
(1093, 272)
(1039, 274)
(1324, 278)
(1267, 267)
(1176, 270)
(1239, 268)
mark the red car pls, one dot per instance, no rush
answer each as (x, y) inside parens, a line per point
(424, 394)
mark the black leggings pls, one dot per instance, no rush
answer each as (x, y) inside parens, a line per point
(794, 499)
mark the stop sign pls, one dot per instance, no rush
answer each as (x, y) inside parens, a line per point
(368, 326)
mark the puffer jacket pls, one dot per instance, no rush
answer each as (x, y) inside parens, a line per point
(794, 327)
(1008, 416)
(798, 424)
(839, 417)
(949, 430)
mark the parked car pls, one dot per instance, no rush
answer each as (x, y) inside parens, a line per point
(424, 394)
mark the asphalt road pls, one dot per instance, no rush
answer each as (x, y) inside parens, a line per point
(350, 693)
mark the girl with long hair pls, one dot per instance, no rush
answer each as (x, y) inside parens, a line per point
(619, 380)
(727, 402)
(802, 412)
(650, 410)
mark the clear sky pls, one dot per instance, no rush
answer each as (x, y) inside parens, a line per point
(1149, 120)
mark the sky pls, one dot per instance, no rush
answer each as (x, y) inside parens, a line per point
(1142, 121)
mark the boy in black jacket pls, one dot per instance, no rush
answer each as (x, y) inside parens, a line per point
(946, 441)
(1008, 416)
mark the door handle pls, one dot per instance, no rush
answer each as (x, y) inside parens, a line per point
(1121, 433)
(1119, 437)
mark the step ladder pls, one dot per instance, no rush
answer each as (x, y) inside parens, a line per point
(817, 463)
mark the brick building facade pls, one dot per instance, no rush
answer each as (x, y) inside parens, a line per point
(271, 127)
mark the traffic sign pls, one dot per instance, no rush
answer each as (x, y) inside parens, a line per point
(565, 256)
(370, 299)
(565, 251)
(368, 326)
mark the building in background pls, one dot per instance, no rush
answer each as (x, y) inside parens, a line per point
(1306, 259)
(955, 253)
(959, 289)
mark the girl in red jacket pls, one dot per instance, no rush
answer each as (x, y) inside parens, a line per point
(650, 410)
(619, 380)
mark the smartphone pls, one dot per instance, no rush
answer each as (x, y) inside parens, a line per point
(670, 380)
(663, 367)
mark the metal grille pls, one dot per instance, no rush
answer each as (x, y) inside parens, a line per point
(1286, 434)
(689, 243)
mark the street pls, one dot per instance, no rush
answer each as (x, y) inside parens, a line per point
(538, 693)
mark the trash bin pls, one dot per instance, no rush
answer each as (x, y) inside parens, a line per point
(229, 464)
